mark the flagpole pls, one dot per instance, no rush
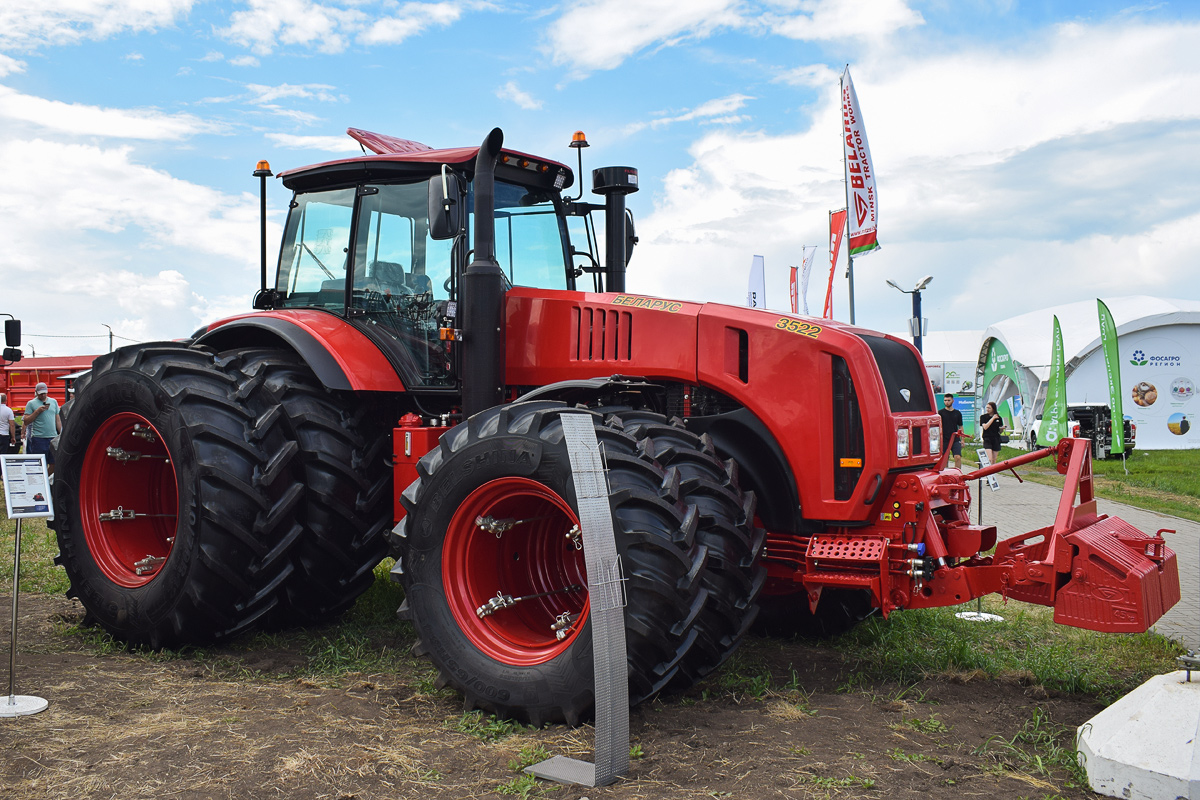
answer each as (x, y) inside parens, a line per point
(849, 208)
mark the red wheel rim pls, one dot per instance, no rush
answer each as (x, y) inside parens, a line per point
(127, 469)
(534, 557)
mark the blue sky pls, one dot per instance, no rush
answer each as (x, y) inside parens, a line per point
(1027, 153)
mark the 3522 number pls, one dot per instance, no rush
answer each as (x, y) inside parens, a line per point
(798, 326)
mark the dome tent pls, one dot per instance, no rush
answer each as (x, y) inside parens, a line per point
(1159, 341)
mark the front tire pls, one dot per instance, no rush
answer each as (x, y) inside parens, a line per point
(175, 497)
(510, 464)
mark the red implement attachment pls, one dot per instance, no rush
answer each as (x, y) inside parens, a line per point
(1098, 572)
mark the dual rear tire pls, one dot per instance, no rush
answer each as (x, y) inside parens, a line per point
(184, 512)
(494, 514)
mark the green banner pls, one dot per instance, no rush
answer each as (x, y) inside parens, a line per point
(1112, 360)
(1054, 414)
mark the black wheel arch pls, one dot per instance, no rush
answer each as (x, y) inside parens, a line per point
(278, 333)
(763, 467)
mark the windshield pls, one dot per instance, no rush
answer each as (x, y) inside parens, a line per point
(366, 252)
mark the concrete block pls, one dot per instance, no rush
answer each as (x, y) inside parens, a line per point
(1143, 746)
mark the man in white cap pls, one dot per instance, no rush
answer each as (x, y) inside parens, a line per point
(8, 426)
(42, 423)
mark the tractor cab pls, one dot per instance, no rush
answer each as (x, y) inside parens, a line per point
(358, 243)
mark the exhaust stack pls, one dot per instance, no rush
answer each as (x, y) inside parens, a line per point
(483, 293)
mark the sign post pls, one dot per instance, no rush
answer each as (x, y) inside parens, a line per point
(26, 495)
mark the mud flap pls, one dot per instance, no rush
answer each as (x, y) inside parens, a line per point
(1121, 580)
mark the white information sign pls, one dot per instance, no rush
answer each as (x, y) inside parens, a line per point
(26, 487)
(984, 461)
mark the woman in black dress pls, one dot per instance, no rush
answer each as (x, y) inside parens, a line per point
(990, 425)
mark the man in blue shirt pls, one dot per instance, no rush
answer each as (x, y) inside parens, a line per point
(42, 423)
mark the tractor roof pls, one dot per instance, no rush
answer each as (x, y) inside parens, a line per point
(398, 158)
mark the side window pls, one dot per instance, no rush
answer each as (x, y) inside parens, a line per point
(314, 252)
(529, 237)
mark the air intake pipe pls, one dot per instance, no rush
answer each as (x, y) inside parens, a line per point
(614, 183)
(483, 293)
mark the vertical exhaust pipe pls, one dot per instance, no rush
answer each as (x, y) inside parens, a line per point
(483, 293)
(614, 183)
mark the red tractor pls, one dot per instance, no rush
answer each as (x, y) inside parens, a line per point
(401, 389)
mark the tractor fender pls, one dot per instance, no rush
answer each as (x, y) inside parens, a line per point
(342, 357)
(762, 466)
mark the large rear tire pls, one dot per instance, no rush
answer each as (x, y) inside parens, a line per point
(345, 443)
(511, 463)
(176, 497)
(734, 574)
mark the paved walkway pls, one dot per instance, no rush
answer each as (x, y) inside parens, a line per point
(1017, 508)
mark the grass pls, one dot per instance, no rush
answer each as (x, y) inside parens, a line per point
(1027, 647)
(1166, 481)
(1038, 748)
(38, 549)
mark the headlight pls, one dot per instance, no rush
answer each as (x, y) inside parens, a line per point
(902, 443)
(935, 439)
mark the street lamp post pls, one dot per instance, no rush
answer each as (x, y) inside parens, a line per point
(110, 337)
(916, 324)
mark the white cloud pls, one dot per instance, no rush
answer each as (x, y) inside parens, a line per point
(1072, 156)
(329, 27)
(134, 57)
(244, 61)
(332, 144)
(600, 34)
(79, 214)
(314, 91)
(30, 24)
(815, 76)
(510, 91)
(213, 55)
(412, 19)
(818, 20)
(10, 66)
(716, 111)
(269, 23)
(85, 120)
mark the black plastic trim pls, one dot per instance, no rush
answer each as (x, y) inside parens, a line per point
(255, 331)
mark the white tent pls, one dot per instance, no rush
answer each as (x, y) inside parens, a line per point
(1159, 341)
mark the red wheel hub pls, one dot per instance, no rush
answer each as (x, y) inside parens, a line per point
(536, 557)
(128, 500)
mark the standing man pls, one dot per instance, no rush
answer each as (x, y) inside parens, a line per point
(42, 424)
(952, 423)
(8, 426)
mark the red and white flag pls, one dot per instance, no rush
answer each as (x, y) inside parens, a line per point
(837, 226)
(792, 291)
(860, 174)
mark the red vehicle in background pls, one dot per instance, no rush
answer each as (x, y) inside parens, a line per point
(18, 380)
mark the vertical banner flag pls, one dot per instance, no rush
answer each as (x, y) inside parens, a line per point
(810, 252)
(837, 226)
(1112, 360)
(1054, 414)
(793, 289)
(756, 297)
(861, 195)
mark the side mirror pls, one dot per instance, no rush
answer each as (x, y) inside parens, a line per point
(447, 205)
(12, 354)
(630, 235)
(12, 333)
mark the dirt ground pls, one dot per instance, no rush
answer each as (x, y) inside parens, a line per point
(236, 725)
